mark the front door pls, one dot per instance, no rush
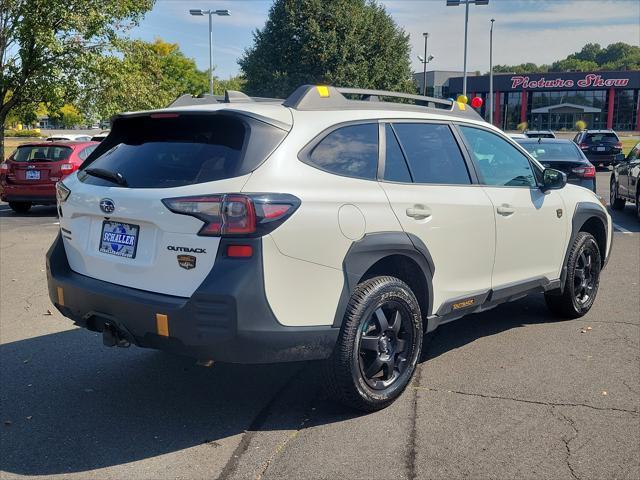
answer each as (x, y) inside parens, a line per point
(531, 226)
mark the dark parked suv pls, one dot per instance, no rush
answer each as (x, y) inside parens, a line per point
(601, 147)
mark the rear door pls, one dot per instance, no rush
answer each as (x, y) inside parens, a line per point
(430, 188)
(122, 232)
(530, 224)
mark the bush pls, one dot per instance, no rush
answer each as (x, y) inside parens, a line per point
(522, 126)
(23, 133)
(581, 125)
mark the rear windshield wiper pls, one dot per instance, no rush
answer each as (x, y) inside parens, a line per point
(114, 177)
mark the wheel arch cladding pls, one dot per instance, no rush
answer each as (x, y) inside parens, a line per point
(397, 254)
(591, 218)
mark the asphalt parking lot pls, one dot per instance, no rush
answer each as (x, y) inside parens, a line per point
(509, 393)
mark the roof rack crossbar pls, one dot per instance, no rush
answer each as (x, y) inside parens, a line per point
(372, 95)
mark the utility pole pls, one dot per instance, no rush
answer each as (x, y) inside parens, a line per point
(424, 71)
(211, 13)
(491, 72)
(456, 3)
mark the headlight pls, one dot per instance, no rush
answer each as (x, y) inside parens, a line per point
(62, 192)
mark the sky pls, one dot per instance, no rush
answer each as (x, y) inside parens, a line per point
(538, 31)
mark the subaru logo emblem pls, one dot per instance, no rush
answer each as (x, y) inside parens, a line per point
(107, 205)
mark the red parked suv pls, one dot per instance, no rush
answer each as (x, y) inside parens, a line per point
(28, 177)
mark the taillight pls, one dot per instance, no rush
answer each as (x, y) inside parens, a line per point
(67, 167)
(585, 172)
(235, 214)
(584, 146)
(4, 168)
(618, 144)
(62, 192)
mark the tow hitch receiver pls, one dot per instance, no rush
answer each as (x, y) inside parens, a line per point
(111, 337)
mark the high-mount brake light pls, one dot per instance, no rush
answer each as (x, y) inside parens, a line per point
(164, 115)
(235, 214)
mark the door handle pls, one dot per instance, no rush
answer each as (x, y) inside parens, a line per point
(506, 210)
(418, 212)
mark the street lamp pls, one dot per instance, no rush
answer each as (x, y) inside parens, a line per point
(456, 3)
(200, 13)
(491, 72)
(424, 60)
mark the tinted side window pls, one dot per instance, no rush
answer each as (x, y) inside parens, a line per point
(351, 151)
(395, 166)
(500, 163)
(432, 153)
(86, 152)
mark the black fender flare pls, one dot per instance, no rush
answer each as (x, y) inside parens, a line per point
(585, 211)
(371, 248)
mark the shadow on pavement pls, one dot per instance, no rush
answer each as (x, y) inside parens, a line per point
(626, 218)
(37, 211)
(74, 405)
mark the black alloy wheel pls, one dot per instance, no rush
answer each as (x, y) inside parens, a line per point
(582, 280)
(382, 345)
(378, 347)
(584, 277)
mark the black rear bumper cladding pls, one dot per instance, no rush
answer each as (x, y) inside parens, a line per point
(227, 319)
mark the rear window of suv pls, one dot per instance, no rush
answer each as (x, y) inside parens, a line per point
(173, 150)
(39, 153)
(601, 138)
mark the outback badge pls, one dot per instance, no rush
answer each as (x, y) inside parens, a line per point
(187, 261)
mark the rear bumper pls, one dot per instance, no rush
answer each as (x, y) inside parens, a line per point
(597, 159)
(40, 194)
(227, 319)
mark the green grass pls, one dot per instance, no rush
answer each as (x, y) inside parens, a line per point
(628, 144)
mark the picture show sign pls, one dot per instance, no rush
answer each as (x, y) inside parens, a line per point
(511, 82)
(591, 80)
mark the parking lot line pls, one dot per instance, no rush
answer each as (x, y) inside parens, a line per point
(620, 229)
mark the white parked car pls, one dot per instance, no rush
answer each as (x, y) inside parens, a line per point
(69, 137)
(319, 227)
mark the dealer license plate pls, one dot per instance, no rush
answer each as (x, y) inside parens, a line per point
(119, 239)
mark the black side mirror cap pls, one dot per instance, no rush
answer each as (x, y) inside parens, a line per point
(618, 158)
(553, 179)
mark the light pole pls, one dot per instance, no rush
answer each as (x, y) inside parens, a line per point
(491, 72)
(220, 13)
(424, 61)
(456, 3)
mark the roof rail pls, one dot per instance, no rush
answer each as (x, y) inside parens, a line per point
(320, 97)
(230, 96)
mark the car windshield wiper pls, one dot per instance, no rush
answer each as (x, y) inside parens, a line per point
(114, 177)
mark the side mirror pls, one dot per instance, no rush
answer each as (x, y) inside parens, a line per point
(553, 179)
(618, 158)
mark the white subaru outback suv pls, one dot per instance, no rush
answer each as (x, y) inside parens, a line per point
(330, 226)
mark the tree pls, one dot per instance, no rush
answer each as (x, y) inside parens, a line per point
(140, 75)
(617, 56)
(350, 43)
(68, 115)
(46, 44)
